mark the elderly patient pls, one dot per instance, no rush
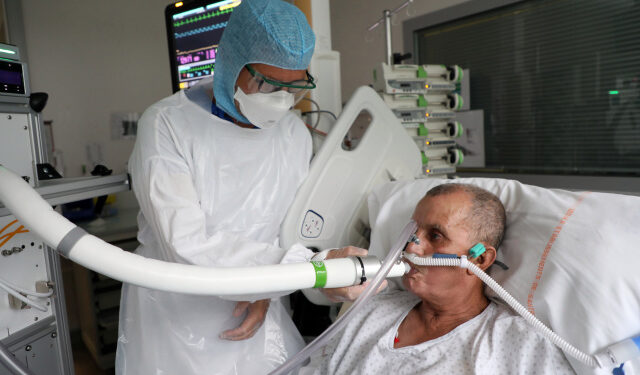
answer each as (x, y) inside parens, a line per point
(443, 323)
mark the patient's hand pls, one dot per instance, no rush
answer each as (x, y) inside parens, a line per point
(257, 312)
(352, 292)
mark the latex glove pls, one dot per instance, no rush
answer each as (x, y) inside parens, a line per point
(256, 313)
(349, 293)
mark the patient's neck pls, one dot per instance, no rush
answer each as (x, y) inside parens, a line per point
(441, 319)
(429, 320)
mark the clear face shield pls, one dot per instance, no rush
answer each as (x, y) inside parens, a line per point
(265, 85)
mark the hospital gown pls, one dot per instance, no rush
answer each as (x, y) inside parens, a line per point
(497, 341)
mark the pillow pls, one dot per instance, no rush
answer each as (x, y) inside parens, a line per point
(573, 257)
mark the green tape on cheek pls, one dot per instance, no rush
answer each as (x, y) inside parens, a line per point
(321, 274)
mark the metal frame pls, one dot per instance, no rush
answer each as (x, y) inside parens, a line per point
(56, 192)
(65, 190)
(59, 307)
(50, 326)
(612, 184)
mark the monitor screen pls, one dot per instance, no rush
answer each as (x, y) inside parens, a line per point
(11, 78)
(194, 30)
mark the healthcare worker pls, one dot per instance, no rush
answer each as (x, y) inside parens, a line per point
(214, 174)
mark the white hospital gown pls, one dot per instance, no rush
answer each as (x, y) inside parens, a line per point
(497, 341)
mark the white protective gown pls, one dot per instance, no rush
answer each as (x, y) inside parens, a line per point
(212, 194)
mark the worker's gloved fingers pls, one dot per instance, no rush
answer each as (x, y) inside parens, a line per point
(240, 308)
(349, 293)
(238, 334)
(257, 312)
(346, 251)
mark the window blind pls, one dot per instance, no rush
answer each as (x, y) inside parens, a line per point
(558, 81)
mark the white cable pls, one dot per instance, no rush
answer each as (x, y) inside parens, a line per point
(511, 301)
(27, 292)
(22, 298)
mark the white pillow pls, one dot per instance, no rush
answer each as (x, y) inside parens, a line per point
(573, 257)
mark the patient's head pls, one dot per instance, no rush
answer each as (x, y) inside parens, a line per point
(486, 219)
(451, 219)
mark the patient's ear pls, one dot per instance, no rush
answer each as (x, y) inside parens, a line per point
(485, 260)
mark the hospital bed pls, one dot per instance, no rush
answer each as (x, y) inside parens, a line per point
(571, 259)
(571, 256)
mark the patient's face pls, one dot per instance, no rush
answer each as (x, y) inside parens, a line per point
(442, 228)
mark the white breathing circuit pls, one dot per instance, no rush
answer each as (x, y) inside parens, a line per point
(462, 262)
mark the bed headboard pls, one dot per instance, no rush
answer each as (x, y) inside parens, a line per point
(330, 208)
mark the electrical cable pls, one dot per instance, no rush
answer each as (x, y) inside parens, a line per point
(27, 292)
(317, 108)
(22, 298)
(319, 112)
(316, 131)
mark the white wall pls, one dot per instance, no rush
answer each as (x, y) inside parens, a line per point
(360, 50)
(94, 58)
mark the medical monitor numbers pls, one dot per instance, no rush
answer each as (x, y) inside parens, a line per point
(194, 30)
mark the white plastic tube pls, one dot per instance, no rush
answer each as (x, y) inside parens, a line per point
(511, 301)
(26, 291)
(22, 298)
(91, 252)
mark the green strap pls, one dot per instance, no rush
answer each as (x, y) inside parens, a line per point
(422, 102)
(321, 274)
(422, 130)
(425, 159)
(421, 72)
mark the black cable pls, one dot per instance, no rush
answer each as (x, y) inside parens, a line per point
(317, 108)
(320, 112)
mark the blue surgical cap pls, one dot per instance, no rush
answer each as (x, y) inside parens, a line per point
(270, 32)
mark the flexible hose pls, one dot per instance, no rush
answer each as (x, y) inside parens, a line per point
(22, 298)
(240, 283)
(340, 323)
(511, 301)
(26, 291)
(12, 363)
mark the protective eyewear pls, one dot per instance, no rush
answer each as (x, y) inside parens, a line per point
(260, 83)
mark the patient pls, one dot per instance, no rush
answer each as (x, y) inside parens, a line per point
(443, 323)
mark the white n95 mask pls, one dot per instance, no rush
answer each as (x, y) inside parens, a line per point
(264, 110)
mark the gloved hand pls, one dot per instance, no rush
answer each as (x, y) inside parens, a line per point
(349, 293)
(257, 312)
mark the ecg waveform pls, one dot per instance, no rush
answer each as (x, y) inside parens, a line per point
(200, 30)
(202, 17)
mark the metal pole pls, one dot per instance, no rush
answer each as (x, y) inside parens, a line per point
(387, 27)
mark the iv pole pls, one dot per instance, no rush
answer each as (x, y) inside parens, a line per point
(386, 18)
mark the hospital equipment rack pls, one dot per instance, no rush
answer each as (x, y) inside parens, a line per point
(424, 99)
(37, 338)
